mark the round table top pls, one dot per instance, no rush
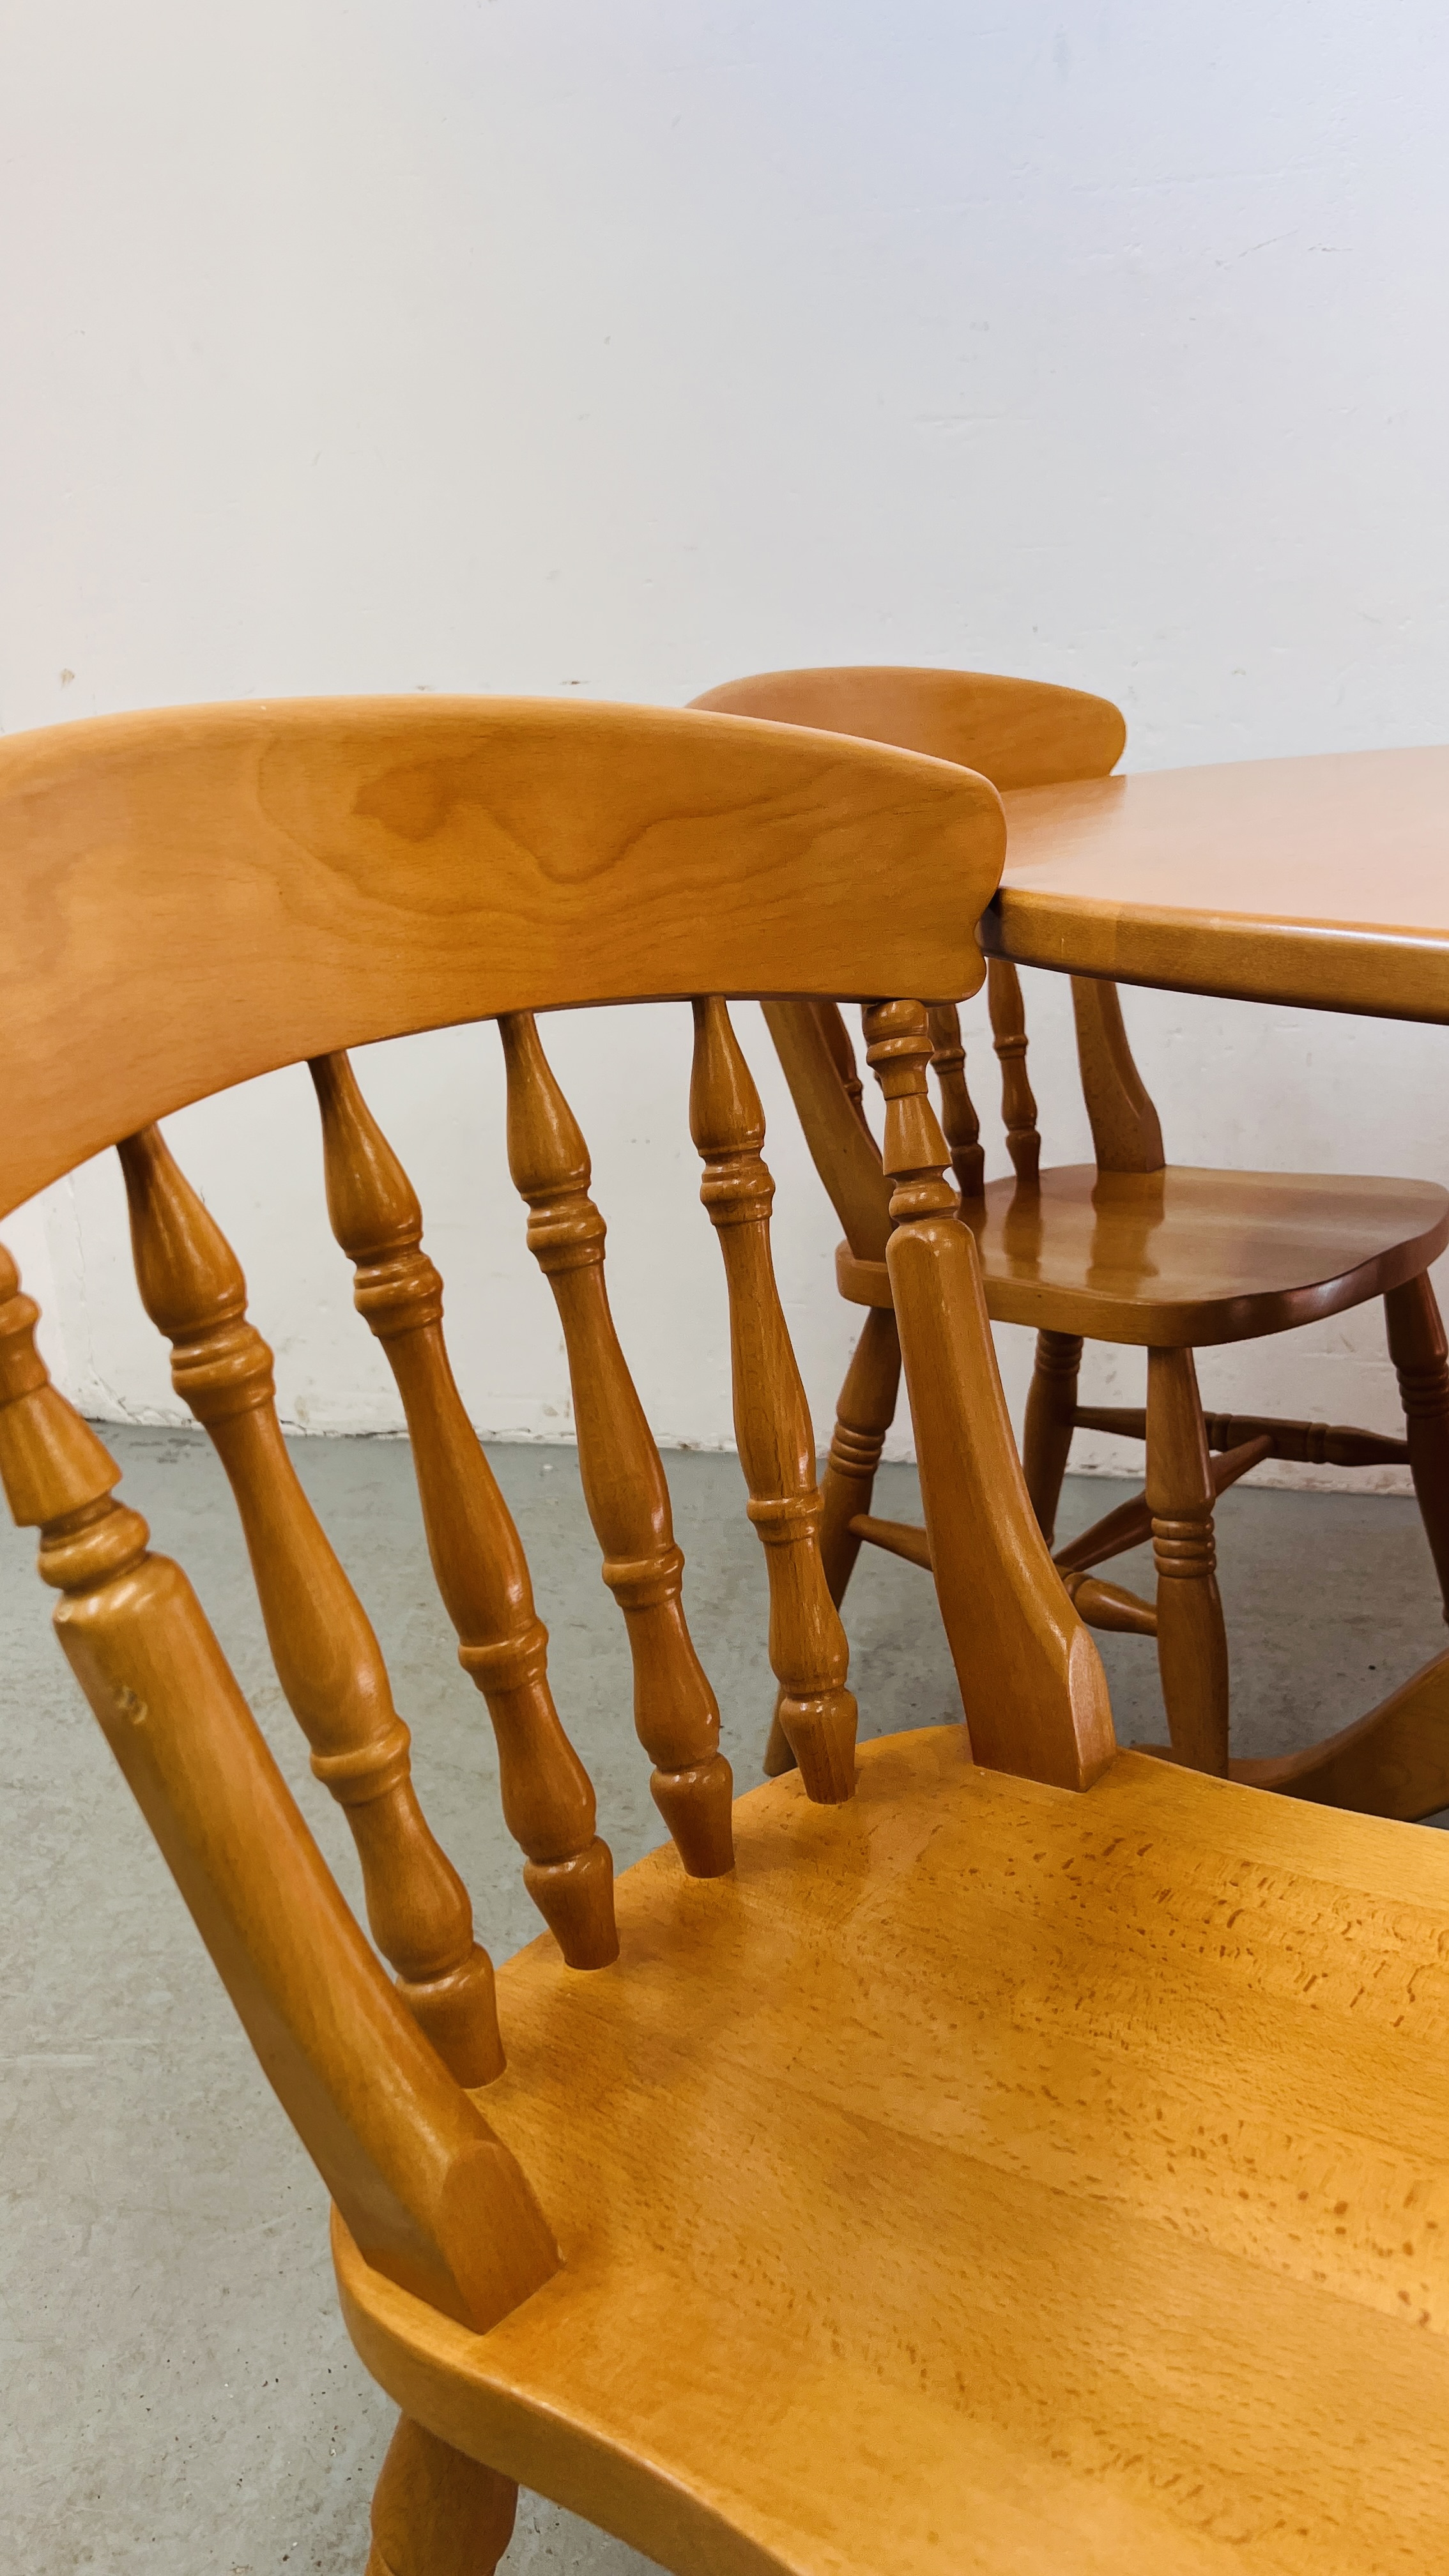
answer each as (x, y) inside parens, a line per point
(1320, 881)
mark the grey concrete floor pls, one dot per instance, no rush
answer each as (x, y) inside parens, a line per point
(179, 2395)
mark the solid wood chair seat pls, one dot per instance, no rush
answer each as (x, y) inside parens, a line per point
(1081, 2162)
(1184, 1257)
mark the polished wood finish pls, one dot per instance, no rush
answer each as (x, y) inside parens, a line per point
(1031, 1681)
(1018, 733)
(433, 2199)
(808, 1039)
(815, 1712)
(379, 865)
(980, 2174)
(328, 1660)
(1051, 1414)
(1130, 1524)
(1053, 2184)
(676, 1714)
(864, 1415)
(1125, 1249)
(1187, 1258)
(477, 1556)
(436, 2512)
(1192, 1646)
(1009, 1039)
(1319, 881)
(1126, 1134)
(959, 1122)
(1314, 1444)
(1419, 1350)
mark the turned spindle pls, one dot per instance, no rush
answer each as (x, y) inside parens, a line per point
(432, 2197)
(1192, 1645)
(328, 1661)
(477, 1555)
(1008, 1036)
(958, 1109)
(815, 1711)
(675, 1710)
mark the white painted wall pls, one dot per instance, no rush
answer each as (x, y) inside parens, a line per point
(496, 344)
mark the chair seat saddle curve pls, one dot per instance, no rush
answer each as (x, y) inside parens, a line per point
(1129, 1250)
(979, 2150)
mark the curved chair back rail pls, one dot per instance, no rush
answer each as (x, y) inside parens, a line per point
(198, 895)
(203, 895)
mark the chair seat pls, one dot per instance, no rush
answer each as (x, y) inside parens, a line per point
(1183, 1258)
(985, 2177)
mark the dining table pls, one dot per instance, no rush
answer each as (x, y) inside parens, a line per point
(1320, 881)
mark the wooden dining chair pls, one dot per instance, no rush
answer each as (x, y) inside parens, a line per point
(982, 2152)
(1128, 1249)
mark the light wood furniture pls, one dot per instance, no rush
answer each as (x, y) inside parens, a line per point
(1128, 1249)
(1021, 2168)
(1320, 882)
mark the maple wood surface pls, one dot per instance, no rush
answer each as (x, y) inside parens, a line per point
(1127, 1250)
(1166, 2281)
(1322, 881)
(1017, 733)
(1185, 1256)
(372, 866)
(990, 2172)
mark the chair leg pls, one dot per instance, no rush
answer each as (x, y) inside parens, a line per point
(1192, 1646)
(864, 1415)
(1051, 1406)
(1420, 1353)
(436, 2512)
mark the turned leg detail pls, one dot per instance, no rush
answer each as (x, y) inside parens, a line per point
(867, 1410)
(1192, 1646)
(1420, 1353)
(436, 2512)
(1051, 1406)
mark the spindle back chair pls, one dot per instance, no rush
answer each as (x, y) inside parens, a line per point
(856, 2204)
(1126, 1249)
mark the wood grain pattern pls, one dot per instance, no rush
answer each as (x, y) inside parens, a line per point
(1017, 733)
(676, 1714)
(1152, 2085)
(1316, 881)
(815, 1711)
(477, 1556)
(432, 2198)
(375, 865)
(328, 1660)
(1128, 1250)
(1031, 1680)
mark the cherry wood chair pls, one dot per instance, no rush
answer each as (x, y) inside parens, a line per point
(911, 2164)
(1128, 1249)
